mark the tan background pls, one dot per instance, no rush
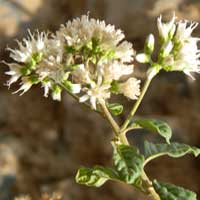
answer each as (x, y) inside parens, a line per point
(42, 143)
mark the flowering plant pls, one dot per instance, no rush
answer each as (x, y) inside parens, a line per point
(91, 61)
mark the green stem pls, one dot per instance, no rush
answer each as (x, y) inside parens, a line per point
(121, 132)
(136, 105)
(150, 188)
(110, 118)
(122, 135)
(145, 178)
(115, 126)
(123, 139)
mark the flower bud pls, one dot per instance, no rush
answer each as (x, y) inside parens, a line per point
(73, 88)
(142, 58)
(172, 31)
(56, 92)
(166, 49)
(34, 79)
(37, 57)
(25, 71)
(46, 84)
(149, 44)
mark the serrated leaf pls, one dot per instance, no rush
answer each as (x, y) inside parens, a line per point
(156, 126)
(96, 176)
(115, 108)
(168, 191)
(128, 162)
(174, 150)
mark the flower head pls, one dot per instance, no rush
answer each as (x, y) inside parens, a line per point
(84, 56)
(99, 56)
(130, 88)
(37, 56)
(34, 44)
(96, 93)
(179, 51)
(94, 36)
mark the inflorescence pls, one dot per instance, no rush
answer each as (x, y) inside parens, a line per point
(88, 58)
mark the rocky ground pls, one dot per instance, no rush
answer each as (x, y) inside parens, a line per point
(42, 143)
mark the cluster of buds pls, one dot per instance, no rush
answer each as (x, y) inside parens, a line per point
(179, 50)
(86, 57)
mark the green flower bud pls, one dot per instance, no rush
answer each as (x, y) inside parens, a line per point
(37, 57)
(149, 44)
(34, 79)
(25, 71)
(31, 64)
(73, 88)
(172, 31)
(56, 92)
(166, 49)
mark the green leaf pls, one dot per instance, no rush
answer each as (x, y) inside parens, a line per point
(156, 126)
(128, 162)
(115, 108)
(96, 176)
(174, 150)
(168, 191)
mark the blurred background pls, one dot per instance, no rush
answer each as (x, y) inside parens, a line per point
(42, 142)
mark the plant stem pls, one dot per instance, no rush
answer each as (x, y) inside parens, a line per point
(150, 188)
(115, 126)
(122, 136)
(145, 178)
(121, 132)
(136, 105)
(110, 118)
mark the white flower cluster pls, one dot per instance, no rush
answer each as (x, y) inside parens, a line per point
(85, 57)
(179, 51)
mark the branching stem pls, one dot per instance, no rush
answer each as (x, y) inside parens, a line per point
(121, 134)
(136, 105)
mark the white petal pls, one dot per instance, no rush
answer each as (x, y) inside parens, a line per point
(84, 98)
(93, 102)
